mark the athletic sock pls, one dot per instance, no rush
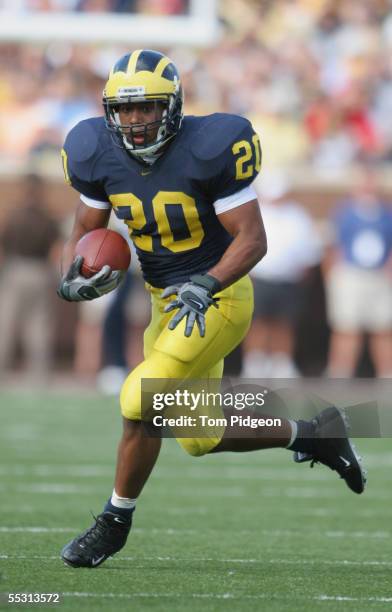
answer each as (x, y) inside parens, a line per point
(123, 506)
(302, 439)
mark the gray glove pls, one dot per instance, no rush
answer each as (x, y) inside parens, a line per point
(193, 300)
(75, 288)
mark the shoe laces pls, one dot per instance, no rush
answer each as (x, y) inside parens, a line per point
(95, 531)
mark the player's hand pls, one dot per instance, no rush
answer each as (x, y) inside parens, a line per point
(76, 288)
(193, 300)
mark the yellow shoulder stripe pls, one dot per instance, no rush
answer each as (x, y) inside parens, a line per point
(64, 159)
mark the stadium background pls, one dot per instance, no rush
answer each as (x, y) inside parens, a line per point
(315, 77)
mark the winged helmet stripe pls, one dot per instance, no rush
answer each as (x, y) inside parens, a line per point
(133, 60)
(164, 62)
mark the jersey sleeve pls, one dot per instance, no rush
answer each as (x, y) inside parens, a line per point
(233, 152)
(78, 158)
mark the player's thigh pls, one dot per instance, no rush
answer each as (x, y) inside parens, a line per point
(207, 433)
(162, 369)
(226, 326)
(170, 355)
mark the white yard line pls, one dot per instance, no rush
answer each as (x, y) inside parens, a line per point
(378, 512)
(342, 562)
(37, 530)
(44, 469)
(245, 532)
(227, 470)
(343, 598)
(337, 598)
(207, 491)
(212, 492)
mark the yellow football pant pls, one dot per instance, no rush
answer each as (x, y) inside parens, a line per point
(169, 354)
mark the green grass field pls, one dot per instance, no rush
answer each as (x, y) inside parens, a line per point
(227, 532)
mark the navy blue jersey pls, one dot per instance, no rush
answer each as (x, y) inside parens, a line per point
(168, 206)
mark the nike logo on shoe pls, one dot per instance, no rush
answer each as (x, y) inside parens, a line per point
(97, 560)
(118, 519)
(346, 463)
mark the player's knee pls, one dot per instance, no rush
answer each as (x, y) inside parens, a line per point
(131, 394)
(197, 447)
(129, 408)
(131, 391)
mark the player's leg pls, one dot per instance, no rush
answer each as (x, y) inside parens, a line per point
(136, 457)
(137, 454)
(324, 439)
(169, 355)
(239, 438)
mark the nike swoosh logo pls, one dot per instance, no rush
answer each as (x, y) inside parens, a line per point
(346, 463)
(198, 304)
(119, 520)
(144, 173)
(97, 560)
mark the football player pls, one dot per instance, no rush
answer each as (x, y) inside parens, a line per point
(183, 186)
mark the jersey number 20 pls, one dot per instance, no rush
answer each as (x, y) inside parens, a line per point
(136, 220)
(245, 167)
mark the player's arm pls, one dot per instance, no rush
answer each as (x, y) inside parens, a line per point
(233, 152)
(194, 298)
(93, 212)
(86, 220)
(245, 224)
(73, 286)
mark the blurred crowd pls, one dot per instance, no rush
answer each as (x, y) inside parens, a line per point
(315, 77)
(147, 7)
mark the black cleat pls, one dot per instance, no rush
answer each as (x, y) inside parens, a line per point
(107, 536)
(333, 448)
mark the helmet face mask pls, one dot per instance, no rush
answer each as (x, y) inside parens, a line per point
(151, 133)
(144, 77)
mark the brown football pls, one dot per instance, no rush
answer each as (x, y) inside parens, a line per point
(103, 247)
